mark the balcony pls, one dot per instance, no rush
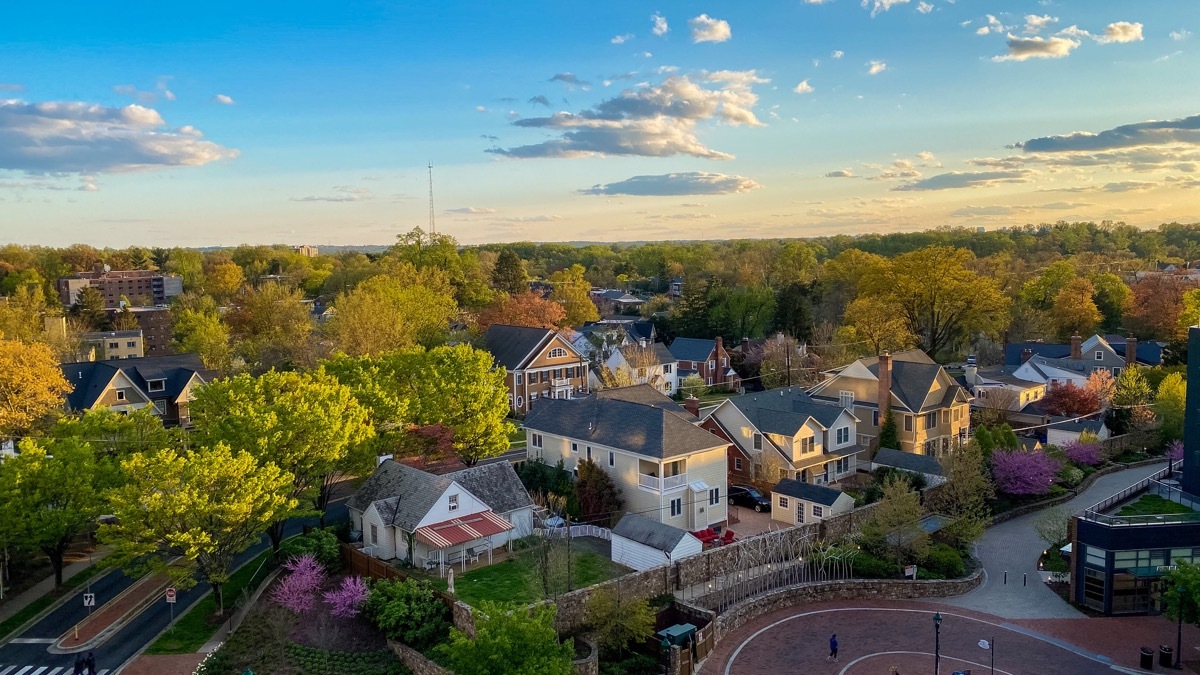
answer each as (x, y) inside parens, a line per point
(561, 382)
(662, 484)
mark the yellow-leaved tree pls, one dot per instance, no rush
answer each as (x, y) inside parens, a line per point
(31, 385)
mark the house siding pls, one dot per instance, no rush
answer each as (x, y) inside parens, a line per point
(636, 556)
(541, 368)
(385, 546)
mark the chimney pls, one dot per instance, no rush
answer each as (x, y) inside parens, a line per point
(971, 374)
(745, 345)
(1130, 351)
(1076, 347)
(1026, 355)
(719, 376)
(885, 383)
(692, 405)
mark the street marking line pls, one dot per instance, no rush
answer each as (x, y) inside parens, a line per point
(56, 671)
(24, 670)
(8, 670)
(39, 670)
(846, 667)
(32, 641)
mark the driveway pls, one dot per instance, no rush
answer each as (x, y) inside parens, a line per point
(1014, 547)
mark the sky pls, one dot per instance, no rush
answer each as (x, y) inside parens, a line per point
(308, 122)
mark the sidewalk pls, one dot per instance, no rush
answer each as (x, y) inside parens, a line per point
(41, 588)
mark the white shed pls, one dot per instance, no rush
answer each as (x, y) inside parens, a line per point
(795, 502)
(640, 543)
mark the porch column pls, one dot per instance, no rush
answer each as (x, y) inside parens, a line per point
(489, 545)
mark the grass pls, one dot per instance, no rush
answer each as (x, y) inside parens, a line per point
(36, 607)
(512, 580)
(1153, 505)
(193, 629)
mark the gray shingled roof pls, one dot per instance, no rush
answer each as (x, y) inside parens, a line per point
(908, 461)
(651, 533)
(89, 378)
(510, 345)
(692, 349)
(402, 494)
(638, 419)
(797, 489)
(1077, 426)
(496, 484)
(784, 411)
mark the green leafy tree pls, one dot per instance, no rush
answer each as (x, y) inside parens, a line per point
(1182, 592)
(393, 311)
(618, 622)
(204, 334)
(794, 312)
(880, 323)
(599, 497)
(203, 507)
(889, 433)
(509, 640)
(408, 611)
(222, 280)
(51, 496)
(31, 386)
(744, 311)
(1113, 298)
(985, 440)
(304, 423)
(114, 436)
(1131, 411)
(894, 524)
(21, 316)
(1041, 291)
(1169, 405)
(573, 292)
(271, 326)
(965, 495)
(1052, 525)
(89, 309)
(509, 274)
(1006, 438)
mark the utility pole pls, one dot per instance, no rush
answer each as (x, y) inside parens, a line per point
(787, 360)
(432, 222)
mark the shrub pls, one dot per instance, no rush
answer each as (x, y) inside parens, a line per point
(509, 639)
(634, 663)
(298, 589)
(408, 611)
(874, 491)
(1175, 450)
(867, 566)
(945, 560)
(1071, 476)
(1083, 453)
(321, 544)
(1023, 473)
(346, 600)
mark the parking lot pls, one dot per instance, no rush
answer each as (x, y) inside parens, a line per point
(749, 523)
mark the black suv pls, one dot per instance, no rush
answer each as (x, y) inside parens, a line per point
(746, 495)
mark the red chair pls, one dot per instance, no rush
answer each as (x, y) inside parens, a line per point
(728, 538)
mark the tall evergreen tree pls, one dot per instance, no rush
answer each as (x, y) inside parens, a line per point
(509, 273)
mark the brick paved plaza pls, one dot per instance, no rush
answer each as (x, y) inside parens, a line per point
(901, 634)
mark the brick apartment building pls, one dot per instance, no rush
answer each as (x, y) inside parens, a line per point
(150, 286)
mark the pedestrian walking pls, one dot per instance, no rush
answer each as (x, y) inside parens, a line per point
(833, 648)
(79, 664)
(91, 663)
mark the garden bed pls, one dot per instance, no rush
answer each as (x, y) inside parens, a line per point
(1153, 505)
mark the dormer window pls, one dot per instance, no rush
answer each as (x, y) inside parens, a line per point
(846, 399)
(558, 353)
(156, 385)
(1099, 355)
(453, 503)
(120, 395)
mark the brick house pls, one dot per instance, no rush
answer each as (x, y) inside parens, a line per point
(164, 383)
(706, 358)
(540, 364)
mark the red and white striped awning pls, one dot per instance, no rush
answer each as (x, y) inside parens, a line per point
(462, 530)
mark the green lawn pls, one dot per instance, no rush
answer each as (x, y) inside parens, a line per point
(34, 608)
(517, 435)
(512, 580)
(193, 629)
(1153, 505)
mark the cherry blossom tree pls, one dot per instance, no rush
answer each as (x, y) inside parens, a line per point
(347, 600)
(298, 590)
(1083, 453)
(1023, 473)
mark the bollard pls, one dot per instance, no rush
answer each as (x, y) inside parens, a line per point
(1006, 577)
(1025, 579)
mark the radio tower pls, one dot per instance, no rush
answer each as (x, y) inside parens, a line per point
(432, 224)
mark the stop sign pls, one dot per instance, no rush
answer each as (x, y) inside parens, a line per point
(171, 594)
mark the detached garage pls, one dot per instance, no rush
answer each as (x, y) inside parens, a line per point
(640, 543)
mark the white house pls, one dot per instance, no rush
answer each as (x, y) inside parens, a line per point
(640, 543)
(796, 502)
(434, 521)
(1001, 383)
(650, 364)
(1063, 430)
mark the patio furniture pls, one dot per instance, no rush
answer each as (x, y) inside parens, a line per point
(728, 537)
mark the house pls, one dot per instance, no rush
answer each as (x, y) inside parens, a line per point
(999, 386)
(165, 383)
(784, 433)
(930, 409)
(675, 287)
(651, 364)
(540, 363)
(435, 521)
(928, 467)
(620, 302)
(111, 345)
(641, 543)
(1074, 362)
(667, 467)
(706, 358)
(795, 502)
(1063, 430)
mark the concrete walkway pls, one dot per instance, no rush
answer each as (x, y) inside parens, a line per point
(1014, 546)
(25, 598)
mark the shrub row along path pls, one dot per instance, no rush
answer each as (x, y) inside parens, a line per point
(1014, 547)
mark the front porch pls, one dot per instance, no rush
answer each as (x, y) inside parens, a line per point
(458, 542)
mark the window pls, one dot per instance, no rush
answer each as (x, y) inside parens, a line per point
(758, 441)
(737, 463)
(532, 397)
(120, 395)
(612, 458)
(908, 422)
(714, 496)
(131, 344)
(874, 418)
(575, 448)
(843, 435)
(641, 372)
(520, 402)
(709, 381)
(818, 512)
(783, 502)
(535, 440)
(931, 420)
(712, 365)
(945, 417)
(846, 399)
(558, 373)
(374, 534)
(807, 444)
(667, 369)
(545, 377)
(453, 504)
(1099, 355)
(114, 345)
(724, 361)
(156, 385)
(843, 465)
(1096, 369)
(589, 453)
(676, 507)
(519, 378)
(1116, 372)
(557, 353)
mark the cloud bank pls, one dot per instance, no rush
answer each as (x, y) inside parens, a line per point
(675, 184)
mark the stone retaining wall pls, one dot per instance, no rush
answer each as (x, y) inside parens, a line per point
(415, 660)
(590, 664)
(1070, 494)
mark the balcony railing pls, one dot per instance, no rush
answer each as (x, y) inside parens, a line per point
(561, 382)
(662, 484)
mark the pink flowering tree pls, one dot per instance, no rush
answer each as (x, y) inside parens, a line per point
(298, 589)
(346, 600)
(1023, 473)
(1175, 450)
(1083, 453)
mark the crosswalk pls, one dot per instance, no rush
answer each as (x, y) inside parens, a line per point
(41, 670)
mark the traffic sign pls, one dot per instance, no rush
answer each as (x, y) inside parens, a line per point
(171, 595)
(89, 599)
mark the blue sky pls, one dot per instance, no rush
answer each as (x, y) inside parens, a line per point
(312, 122)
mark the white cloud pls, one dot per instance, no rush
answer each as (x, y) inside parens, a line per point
(840, 173)
(1023, 49)
(223, 99)
(658, 25)
(965, 179)
(570, 80)
(1180, 35)
(994, 25)
(84, 138)
(530, 219)
(481, 109)
(649, 121)
(341, 194)
(675, 184)
(1034, 23)
(926, 156)
(133, 92)
(924, 7)
(876, 67)
(1122, 31)
(878, 6)
(1075, 32)
(803, 88)
(837, 54)
(621, 39)
(471, 210)
(707, 29)
(164, 89)
(1185, 130)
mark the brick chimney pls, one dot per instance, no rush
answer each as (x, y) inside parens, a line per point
(745, 345)
(1026, 355)
(885, 383)
(692, 405)
(1130, 353)
(719, 376)
(1076, 347)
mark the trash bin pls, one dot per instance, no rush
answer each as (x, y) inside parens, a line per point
(1166, 656)
(1147, 658)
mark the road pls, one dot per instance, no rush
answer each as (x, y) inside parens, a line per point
(19, 654)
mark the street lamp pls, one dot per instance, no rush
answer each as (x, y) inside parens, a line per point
(1179, 630)
(937, 643)
(990, 645)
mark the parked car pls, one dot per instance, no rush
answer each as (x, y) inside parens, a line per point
(747, 495)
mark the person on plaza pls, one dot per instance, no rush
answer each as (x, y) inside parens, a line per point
(91, 663)
(833, 648)
(79, 664)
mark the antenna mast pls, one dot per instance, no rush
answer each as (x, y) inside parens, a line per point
(432, 224)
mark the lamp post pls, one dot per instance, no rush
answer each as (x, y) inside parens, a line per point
(1179, 629)
(937, 643)
(990, 645)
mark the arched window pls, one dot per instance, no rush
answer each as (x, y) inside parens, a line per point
(557, 353)
(520, 401)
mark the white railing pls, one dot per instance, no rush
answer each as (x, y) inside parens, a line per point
(647, 481)
(562, 382)
(671, 482)
(576, 531)
(662, 484)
